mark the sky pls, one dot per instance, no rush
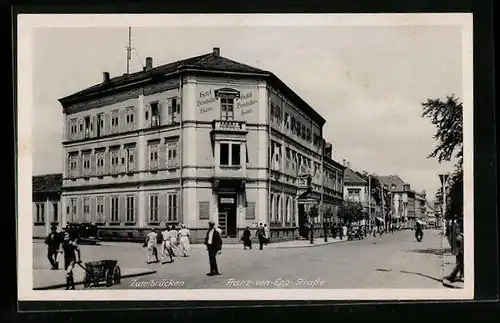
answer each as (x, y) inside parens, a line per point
(368, 82)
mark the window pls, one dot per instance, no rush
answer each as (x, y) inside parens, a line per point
(153, 208)
(224, 154)
(172, 109)
(130, 159)
(153, 156)
(73, 165)
(303, 132)
(130, 118)
(86, 209)
(299, 128)
(293, 124)
(100, 124)
(55, 214)
(115, 160)
(73, 127)
(235, 154)
(114, 210)
(353, 195)
(114, 121)
(287, 121)
(227, 108)
(308, 135)
(40, 213)
(130, 209)
(155, 114)
(100, 210)
(88, 127)
(86, 164)
(172, 206)
(100, 162)
(171, 154)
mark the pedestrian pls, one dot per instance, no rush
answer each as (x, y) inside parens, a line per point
(246, 238)
(341, 230)
(69, 247)
(53, 241)
(219, 229)
(151, 242)
(261, 236)
(267, 234)
(213, 242)
(184, 240)
(459, 264)
(166, 245)
(173, 240)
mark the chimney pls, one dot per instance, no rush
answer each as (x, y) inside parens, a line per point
(216, 51)
(149, 63)
(343, 162)
(348, 165)
(105, 76)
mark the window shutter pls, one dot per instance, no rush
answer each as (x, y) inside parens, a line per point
(93, 164)
(122, 209)
(107, 162)
(107, 209)
(162, 155)
(107, 124)
(94, 125)
(123, 160)
(93, 209)
(79, 210)
(122, 122)
(147, 112)
(132, 154)
(170, 111)
(178, 110)
(68, 130)
(81, 126)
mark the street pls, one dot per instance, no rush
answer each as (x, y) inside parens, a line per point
(392, 261)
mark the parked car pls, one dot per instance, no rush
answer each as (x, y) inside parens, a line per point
(84, 232)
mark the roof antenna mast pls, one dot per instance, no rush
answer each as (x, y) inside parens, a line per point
(129, 49)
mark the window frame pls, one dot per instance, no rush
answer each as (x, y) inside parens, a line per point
(229, 101)
(114, 216)
(130, 207)
(153, 217)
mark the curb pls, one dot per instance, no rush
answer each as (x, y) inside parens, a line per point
(144, 273)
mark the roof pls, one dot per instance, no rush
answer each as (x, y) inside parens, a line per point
(388, 181)
(352, 177)
(211, 62)
(49, 183)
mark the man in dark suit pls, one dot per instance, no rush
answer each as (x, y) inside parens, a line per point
(213, 241)
(53, 241)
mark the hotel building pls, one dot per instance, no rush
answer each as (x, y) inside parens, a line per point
(204, 138)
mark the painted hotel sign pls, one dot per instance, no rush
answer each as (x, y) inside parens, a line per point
(208, 105)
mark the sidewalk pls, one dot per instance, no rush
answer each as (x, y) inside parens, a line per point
(54, 279)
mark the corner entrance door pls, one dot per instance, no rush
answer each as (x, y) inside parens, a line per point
(227, 215)
(302, 221)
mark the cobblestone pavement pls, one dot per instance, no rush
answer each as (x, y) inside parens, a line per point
(391, 261)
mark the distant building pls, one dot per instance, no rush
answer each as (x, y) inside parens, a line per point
(46, 199)
(356, 190)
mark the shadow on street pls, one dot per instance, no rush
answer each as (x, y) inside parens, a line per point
(432, 251)
(422, 275)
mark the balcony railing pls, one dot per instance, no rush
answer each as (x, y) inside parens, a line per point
(230, 172)
(229, 125)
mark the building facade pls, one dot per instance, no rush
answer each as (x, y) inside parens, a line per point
(205, 138)
(46, 201)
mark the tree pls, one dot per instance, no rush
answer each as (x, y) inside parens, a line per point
(447, 116)
(350, 212)
(313, 211)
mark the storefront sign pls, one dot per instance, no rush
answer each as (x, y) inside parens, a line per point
(227, 200)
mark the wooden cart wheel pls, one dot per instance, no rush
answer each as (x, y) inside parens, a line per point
(117, 275)
(108, 278)
(87, 280)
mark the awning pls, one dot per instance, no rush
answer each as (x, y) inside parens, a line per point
(380, 219)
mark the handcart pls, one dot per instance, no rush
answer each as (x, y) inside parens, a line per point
(103, 270)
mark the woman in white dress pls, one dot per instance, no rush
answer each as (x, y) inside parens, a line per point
(166, 246)
(184, 240)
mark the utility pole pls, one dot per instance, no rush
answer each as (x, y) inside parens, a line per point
(129, 49)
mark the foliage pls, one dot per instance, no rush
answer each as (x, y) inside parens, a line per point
(328, 213)
(376, 188)
(351, 211)
(447, 116)
(313, 211)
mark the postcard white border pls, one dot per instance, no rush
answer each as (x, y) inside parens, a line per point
(26, 23)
